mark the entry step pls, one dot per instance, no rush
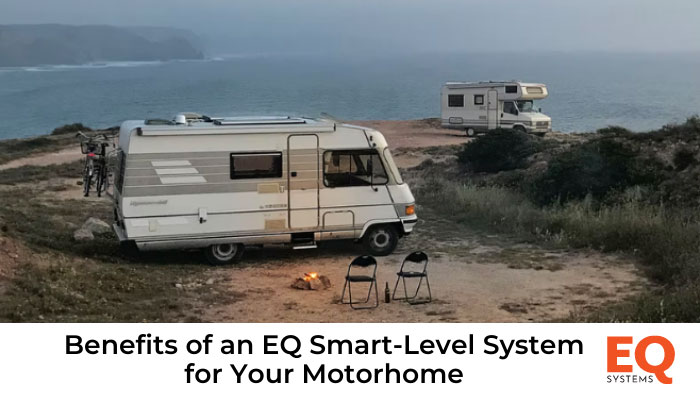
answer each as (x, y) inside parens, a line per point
(305, 246)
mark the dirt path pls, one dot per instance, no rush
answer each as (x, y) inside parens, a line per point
(414, 133)
(474, 278)
(61, 156)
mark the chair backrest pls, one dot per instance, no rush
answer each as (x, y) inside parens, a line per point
(417, 257)
(363, 262)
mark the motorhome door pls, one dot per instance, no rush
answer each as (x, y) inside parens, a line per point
(492, 109)
(302, 181)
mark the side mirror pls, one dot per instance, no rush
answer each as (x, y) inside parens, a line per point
(370, 171)
(336, 160)
(539, 109)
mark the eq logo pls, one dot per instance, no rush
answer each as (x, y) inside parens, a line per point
(619, 349)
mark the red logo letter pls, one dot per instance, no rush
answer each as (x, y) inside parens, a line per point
(640, 355)
(614, 353)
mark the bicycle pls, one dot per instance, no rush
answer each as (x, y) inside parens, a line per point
(95, 167)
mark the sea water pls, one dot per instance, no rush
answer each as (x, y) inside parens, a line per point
(587, 90)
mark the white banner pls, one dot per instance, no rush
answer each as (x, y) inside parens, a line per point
(302, 361)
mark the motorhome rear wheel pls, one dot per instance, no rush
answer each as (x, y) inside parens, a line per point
(225, 253)
(381, 240)
(471, 132)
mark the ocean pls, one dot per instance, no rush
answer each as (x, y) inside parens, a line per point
(587, 90)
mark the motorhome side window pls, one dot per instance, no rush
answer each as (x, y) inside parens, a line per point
(256, 165)
(343, 168)
(509, 108)
(479, 99)
(455, 100)
(511, 89)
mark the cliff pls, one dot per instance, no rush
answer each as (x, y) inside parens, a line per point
(31, 45)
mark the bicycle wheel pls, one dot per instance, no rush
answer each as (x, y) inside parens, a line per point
(87, 179)
(99, 180)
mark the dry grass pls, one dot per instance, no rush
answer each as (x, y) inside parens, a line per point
(667, 242)
(62, 280)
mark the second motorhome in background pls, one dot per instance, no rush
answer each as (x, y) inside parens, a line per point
(482, 106)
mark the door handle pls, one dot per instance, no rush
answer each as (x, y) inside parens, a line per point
(294, 174)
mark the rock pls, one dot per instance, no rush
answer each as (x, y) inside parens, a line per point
(97, 226)
(82, 235)
(301, 284)
(315, 284)
(178, 285)
(209, 281)
(321, 283)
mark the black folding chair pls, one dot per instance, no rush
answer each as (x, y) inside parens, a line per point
(365, 262)
(420, 260)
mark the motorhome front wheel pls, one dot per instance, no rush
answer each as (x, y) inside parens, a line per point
(224, 253)
(381, 240)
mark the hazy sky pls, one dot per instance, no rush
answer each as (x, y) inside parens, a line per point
(393, 25)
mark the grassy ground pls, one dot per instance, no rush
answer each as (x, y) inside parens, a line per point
(17, 148)
(63, 280)
(666, 241)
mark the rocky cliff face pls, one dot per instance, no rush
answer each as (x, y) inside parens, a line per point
(31, 45)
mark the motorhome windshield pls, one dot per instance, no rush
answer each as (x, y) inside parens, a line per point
(526, 106)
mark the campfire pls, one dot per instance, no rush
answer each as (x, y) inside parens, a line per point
(312, 281)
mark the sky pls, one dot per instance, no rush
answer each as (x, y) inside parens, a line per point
(385, 26)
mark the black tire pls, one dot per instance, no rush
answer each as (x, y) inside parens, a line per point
(87, 181)
(520, 128)
(99, 183)
(224, 253)
(380, 240)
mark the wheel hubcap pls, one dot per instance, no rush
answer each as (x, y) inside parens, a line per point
(224, 250)
(380, 239)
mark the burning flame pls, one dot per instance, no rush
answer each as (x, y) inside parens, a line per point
(310, 276)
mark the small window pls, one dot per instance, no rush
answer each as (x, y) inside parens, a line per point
(511, 89)
(342, 168)
(455, 100)
(256, 165)
(479, 99)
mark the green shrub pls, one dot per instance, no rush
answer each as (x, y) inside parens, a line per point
(71, 128)
(684, 158)
(499, 150)
(596, 167)
(614, 130)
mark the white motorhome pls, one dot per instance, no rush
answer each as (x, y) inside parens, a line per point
(481, 106)
(223, 183)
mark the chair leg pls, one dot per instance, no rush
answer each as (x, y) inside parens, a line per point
(420, 282)
(393, 295)
(430, 295)
(342, 296)
(369, 294)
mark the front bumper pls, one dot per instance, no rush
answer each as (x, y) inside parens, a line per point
(409, 223)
